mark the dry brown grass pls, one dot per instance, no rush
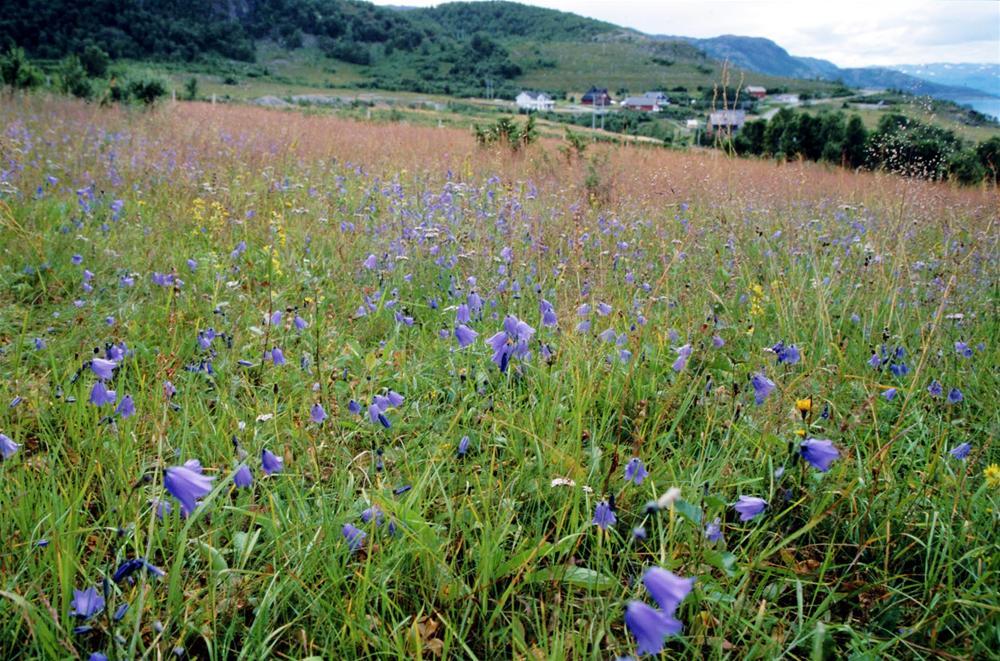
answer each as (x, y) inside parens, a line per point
(629, 176)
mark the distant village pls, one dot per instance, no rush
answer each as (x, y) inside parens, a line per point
(599, 99)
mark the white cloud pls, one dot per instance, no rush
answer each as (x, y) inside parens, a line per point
(847, 32)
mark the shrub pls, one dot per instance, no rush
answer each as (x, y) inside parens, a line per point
(576, 144)
(988, 153)
(18, 72)
(73, 78)
(911, 148)
(506, 131)
(95, 60)
(965, 168)
(147, 89)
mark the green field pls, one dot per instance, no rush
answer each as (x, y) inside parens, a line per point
(381, 392)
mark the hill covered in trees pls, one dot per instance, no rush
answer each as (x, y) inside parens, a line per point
(195, 28)
(188, 29)
(451, 49)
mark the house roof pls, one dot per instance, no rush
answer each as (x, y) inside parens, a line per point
(755, 88)
(640, 101)
(538, 96)
(723, 117)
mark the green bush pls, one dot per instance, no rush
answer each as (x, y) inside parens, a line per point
(911, 148)
(18, 72)
(95, 60)
(965, 168)
(73, 78)
(506, 132)
(147, 89)
(988, 153)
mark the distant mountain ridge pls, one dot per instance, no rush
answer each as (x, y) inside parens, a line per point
(762, 55)
(981, 76)
(765, 56)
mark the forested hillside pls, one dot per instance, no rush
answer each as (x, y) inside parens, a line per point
(454, 49)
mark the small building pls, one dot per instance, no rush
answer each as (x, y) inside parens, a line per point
(693, 123)
(756, 92)
(596, 96)
(726, 120)
(534, 101)
(659, 97)
(787, 99)
(645, 103)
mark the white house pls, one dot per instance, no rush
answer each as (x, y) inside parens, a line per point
(726, 120)
(660, 98)
(787, 99)
(534, 101)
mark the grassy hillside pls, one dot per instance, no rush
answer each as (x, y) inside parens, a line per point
(637, 64)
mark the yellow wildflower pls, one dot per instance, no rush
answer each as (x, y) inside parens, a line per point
(992, 475)
(756, 298)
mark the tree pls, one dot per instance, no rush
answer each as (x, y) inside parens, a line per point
(750, 140)
(146, 89)
(191, 88)
(788, 143)
(73, 78)
(810, 138)
(18, 72)
(832, 137)
(95, 60)
(988, 153)
(965, 168)
(483, 45)
(855, 139)
(911, 148)
(775, 130)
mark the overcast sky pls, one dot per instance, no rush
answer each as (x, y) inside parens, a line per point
(847, 32)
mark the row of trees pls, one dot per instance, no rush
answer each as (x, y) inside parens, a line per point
(87, 75)
(829, 137)
(899, 144)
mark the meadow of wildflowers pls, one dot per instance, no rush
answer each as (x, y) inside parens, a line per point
(277, 385)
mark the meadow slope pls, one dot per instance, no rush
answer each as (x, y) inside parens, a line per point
(286, 385)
